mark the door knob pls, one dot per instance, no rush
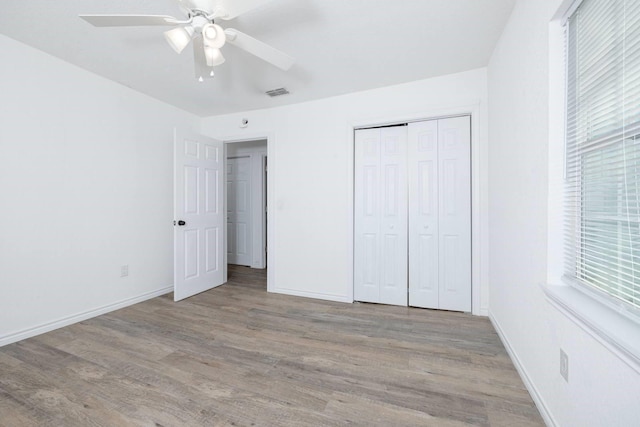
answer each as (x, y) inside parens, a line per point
(181, 223)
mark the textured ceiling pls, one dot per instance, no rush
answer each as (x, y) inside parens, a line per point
(340, 46)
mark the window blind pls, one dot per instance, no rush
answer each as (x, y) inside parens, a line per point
(602, 209)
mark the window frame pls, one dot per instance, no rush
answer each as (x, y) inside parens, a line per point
(580, 276)
(613, 323)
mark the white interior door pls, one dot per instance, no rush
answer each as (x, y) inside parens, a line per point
(423, 214)
(199, 214)
(454, 164)
(380, 270)
(239, 214)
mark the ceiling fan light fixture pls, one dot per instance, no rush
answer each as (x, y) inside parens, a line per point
(214, 56)
(179, 38)
(200, 30)
(213, 36)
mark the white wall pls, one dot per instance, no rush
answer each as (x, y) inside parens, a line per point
(311, 168)
(85, 187)
(602, 390)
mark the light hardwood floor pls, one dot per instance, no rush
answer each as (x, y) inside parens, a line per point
(236, 355)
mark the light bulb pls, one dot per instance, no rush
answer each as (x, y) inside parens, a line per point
(213, 36)
(179, 38)
(211, 73)
(210, 32)
(200, 79)
(214, 56)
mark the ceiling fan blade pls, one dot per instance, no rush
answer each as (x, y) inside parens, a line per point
(185, 6)
(229, 9)
(203, 71)
(259, 49)
(129, 20)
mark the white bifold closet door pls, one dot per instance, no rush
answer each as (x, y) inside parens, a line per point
(412, 209)
(380, 244)
(440, 214)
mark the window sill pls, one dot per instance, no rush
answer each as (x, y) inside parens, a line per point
(617, 332)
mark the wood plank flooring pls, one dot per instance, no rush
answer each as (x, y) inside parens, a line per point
(238, 356)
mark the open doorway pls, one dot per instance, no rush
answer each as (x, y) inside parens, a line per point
(246, 181)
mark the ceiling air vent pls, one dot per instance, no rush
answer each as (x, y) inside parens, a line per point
(277, 92)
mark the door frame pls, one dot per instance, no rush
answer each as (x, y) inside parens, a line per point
(479, 225)
(256, 156)
(270, 216)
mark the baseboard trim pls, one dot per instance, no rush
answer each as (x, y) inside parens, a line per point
(327, 297)
(65, 321)
(533, 391)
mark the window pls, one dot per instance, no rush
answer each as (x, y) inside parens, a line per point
(603, 148)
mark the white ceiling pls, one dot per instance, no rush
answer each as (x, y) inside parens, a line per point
(340, 46)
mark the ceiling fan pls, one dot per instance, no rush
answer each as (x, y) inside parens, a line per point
(200, 26)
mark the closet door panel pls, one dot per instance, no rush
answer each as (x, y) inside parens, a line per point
(423, 214)
(454, 162)
(393, 231)
(367, 216)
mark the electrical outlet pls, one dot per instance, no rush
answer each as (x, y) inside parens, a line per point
(564, 365)
(124, 270)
